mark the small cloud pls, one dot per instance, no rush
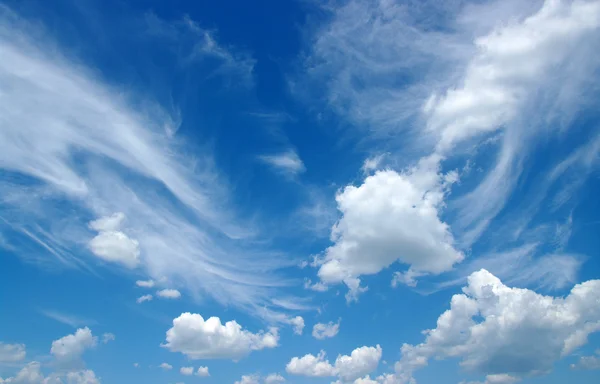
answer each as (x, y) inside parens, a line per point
(166, 366)
(372, 164)
(187, 371)
(136, 365)
(141, 299)
(169, 294)
(317, 287)
(11, 353)
(202, 372)
(325, 331)
(107, 337)
(113, 245)
(145, 283)
(288, 163)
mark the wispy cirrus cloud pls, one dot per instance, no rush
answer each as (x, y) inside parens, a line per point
(288, 163)
(461, 94)
(70, 140)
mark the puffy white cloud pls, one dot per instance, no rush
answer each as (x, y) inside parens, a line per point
(506, 332)
(288, 163)
(166, 366)
(202, 372)
(82, 377)
(70, 348)
(361, 361)
(310, 365)
(497, 379)
(323, 331)
(588, 362)
(209, 339)
(108, 337)
(145, 283)
(274, 378)
(249, 379)
(10, 353)
(298, 324)
(188, 371)
(113, 245)
(392, 217)
(143, 298)
(31, 374)
(169, 294)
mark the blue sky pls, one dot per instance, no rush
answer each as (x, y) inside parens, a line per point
(389, 192)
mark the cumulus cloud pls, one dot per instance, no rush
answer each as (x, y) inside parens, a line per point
(187, 371)
(588, 362)
(506, 333)
(288, 163)
(169, 294)
(202, 372)
(31, 374)
(324, 331)
(145, 283)
(392, 217)
(166, 366)
(209, 339)
(361, 361)
(298, 324)
(249, 379)
(143, 298)
(69, 348)
(460, 87)
(274, 378)
(10, 353)
(107, 337)
(113, 245)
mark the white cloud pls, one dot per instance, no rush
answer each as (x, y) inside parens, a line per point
(68, 319)
(31, 374)
(209, 339)
(249, 379)
(136, 365)
(169, 294)
(82, 377)
(108, 337)
(588, 362)
(469, 83)
(145, 283)
(274, 378)
(324, 331)
(506, 332)
(70, 348)
(497, 379)
(298, 324)
(101, 150)
(390, 218)
(166, 366)
(143, 298)
(10, 353)
(288, 163)
(187, 371)
(113, 245)
(361, 361)
(202, 372)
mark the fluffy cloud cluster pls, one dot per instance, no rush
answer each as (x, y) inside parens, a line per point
(31, 374)
(209, 339)
(70, 348)
(392, 217)
(113, 245)
(66, 350)
(588, 362)
(361, 362)
(10, 353)
(324, 331)
(506, 333)
(168, 294)
(272, 378)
